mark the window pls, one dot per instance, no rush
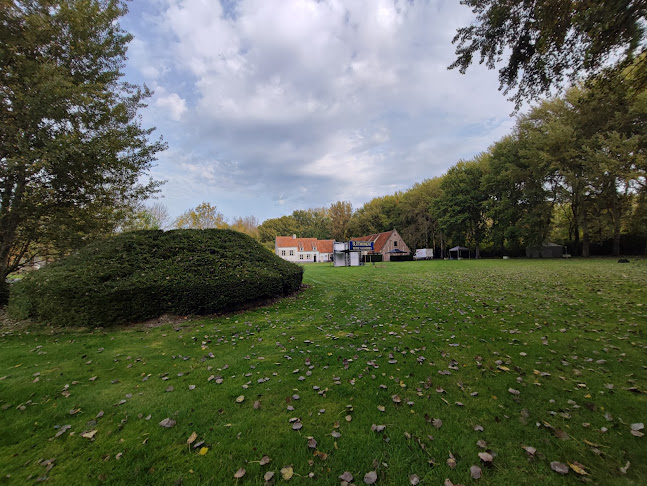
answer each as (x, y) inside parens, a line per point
(282, 252)
(301, 256)
(395, 243)
(308, 257)
(291, 252)
(314, 247)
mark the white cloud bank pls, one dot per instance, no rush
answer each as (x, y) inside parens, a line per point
(277, 105)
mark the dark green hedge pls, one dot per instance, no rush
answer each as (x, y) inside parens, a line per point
(141, 275)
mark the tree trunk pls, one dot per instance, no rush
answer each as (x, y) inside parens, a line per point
(585, 238)
(617, 214)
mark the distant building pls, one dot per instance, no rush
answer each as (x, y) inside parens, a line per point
(303, 250)
(312, 250)
(386, 244)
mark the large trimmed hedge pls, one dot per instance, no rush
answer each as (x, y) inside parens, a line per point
(141, 275)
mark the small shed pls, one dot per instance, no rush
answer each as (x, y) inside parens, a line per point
(458, 252)
(545, 250)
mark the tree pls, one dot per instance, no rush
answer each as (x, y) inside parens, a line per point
(153, 217)
(548, 41)
(72, 148)
(376, 216)
(340, 213)
(273, 227)
(203, 216)
(247, 225)
(417, 226)
(461, 209)
(313, 223)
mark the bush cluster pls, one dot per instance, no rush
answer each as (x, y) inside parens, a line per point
(144, 274)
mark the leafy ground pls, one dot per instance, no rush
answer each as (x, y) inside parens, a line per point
(520, 372)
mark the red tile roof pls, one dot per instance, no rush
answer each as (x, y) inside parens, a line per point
(289, 242)
(325, 246)
(379, 240)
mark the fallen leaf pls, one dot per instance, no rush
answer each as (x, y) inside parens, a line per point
(62, 430)
(168, 423)
(370, 477)
(530, 450)
(475, 472)
(264, 460)
(287, 473)
(240, 399)
(268, 476)
(578, 468)
(192, 438)
(240, 473)
(485, 456)
(203, 451)
(90, 434)
(414, 479)
(347, 476)
(559, 467)
(312, 443)
(623, 470)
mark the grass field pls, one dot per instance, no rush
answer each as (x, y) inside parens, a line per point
(418, 371)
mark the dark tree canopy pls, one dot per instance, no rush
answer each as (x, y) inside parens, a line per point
(72, 148)
(548, 41)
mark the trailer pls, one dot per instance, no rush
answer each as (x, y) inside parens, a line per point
(424, 254)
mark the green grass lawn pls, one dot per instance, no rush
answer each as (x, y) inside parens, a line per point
(403, 369)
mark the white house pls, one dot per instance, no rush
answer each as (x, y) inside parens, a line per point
(303, 250)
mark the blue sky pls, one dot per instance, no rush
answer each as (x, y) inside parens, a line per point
(274, 105)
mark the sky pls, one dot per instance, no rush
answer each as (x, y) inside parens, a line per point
(269, 106)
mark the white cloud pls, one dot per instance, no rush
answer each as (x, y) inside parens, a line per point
(173, 104)
(312, 101)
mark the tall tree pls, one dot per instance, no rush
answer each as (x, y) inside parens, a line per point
(72, 148)
(247, 225)
(273, 227)
(548, 41)
(417, 226)
(461, 209)
(340, 213)
(203, 216)
(313, 223)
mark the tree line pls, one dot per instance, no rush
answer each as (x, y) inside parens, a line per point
(74, 155)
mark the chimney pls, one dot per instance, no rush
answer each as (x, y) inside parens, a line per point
(294, 237)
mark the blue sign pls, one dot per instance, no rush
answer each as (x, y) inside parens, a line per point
(361, 245)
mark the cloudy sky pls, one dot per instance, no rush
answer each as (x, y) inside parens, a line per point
(274, 105)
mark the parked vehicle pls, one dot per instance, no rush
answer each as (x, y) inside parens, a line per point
(424, 254)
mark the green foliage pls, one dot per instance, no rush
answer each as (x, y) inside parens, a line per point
(547, 41)
(203, 216)
(141, 275)
(72, 148)
(340, 213)
(271, 228)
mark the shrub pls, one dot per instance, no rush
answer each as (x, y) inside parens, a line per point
(144, 274)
